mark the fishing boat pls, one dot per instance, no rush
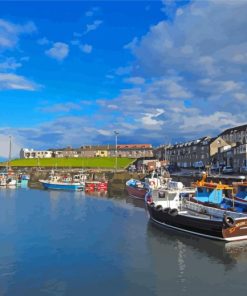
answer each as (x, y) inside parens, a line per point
(3, 179)
(11, 181)
(172, 188)
(218, 195)
(171, 211)
(23, 180)
(61, 183)
(138, 189)
(91, 186)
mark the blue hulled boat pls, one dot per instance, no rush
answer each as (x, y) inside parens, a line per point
(57, 185)
(63, 183)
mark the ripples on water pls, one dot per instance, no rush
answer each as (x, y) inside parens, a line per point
(72, 243)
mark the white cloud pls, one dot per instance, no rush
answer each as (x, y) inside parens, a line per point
(105, 132)
(242, 97)
(203, 40)
(112, 106)
(92, 11)
(196, 59)
(209, 122)
(173, 88)
(149, 121)
(59, 51)
(63, 107)
(9, 64)
(93, 26)
(86, 48)
(135, 80)
(194, 68)
(10, 33)
(17, 82)
(43, 41)
(132, 44)
(124, 70)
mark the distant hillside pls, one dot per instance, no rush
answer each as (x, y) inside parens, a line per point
(106, 162)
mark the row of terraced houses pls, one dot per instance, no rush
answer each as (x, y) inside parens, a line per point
(128, 150)
(228, 148)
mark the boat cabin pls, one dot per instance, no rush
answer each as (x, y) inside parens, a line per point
(171, 196)
(212, 192)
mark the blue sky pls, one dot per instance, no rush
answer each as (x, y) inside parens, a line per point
(156, 71)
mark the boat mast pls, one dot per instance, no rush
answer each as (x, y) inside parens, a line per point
(10, 151)
(10, 148)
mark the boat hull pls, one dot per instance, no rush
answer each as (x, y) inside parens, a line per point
(206, 227)
(61, 186)
(136, 192)
(96, 186)
(137, 189)
(239, 202)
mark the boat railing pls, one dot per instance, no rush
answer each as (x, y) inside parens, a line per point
(210, 210)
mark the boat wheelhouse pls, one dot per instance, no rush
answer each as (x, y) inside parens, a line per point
(218, 195)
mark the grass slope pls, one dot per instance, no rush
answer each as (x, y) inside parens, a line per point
(107, 162)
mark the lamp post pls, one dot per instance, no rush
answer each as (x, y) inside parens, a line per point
(116, 135)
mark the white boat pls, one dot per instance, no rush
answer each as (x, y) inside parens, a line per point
(3, 179)
(11, 181)
(7, 180)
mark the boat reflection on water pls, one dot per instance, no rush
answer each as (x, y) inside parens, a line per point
(226, 253)
(101, 193)
(121, 194)
(138, 203)
(114, 192)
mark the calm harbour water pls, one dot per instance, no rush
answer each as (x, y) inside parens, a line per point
(69, 243)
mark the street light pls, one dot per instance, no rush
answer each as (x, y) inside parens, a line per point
(116, 134)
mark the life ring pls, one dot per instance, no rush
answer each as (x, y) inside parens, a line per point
(229, 221)
(159, 208)
(173, 212)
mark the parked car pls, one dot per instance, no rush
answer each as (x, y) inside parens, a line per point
(243, 169)
(215, 169)
(227, 170)
(198, 165)
(199, 174)
(172, 168)
(132, 168)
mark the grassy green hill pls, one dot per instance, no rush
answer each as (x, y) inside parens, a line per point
(106, 162)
